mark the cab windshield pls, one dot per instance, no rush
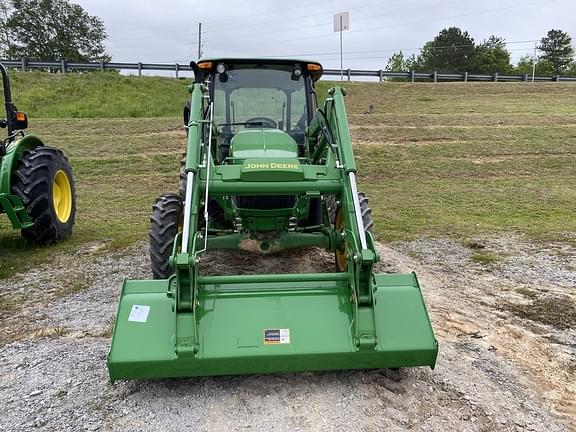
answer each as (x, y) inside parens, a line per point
(260, 96)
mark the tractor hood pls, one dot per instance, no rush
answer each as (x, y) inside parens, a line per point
(263, 144)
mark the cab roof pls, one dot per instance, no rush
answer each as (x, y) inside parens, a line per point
(315, 70)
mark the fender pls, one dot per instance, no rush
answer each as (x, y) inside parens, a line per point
(10, 159)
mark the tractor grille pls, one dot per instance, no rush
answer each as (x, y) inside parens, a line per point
(265, 202)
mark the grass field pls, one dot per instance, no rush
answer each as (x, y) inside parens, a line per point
(445, 160)
(97, 95)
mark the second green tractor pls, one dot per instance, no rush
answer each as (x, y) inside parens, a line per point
(36, 182)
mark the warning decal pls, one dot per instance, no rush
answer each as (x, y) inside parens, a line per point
(139, 313)
(276, 336)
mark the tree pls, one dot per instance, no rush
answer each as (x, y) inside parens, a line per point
(571, 72)
(451, 51)
(492, 56)
(397, 63)
(5, 10)
(54, 30)
(557, 48)
(526, 64)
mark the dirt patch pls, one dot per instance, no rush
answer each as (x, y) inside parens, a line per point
(495, 371)
(471, 300)
(559, 312)
(312, 260)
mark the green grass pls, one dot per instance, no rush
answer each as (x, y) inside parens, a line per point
(93, 95)
(120, 167)
(484, 257)
(446, 160)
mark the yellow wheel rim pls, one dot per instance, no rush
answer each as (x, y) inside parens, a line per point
(62, 196)
(341, 255)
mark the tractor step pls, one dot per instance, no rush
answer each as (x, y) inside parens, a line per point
(14, 209)
(265, 324)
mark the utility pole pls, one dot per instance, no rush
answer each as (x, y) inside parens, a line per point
(534, 62)
(199, 40)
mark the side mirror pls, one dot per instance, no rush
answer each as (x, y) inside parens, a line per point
(20, 121)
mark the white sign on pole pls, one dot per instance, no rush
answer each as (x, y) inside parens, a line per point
(342, 21)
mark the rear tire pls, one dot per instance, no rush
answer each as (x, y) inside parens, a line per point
(165, 223)
(341, 256)
(43, 181)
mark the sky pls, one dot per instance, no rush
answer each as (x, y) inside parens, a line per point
(157, 32)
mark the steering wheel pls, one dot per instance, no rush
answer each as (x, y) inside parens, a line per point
(263, 122)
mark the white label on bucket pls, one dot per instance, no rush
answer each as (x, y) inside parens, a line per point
(139, 313)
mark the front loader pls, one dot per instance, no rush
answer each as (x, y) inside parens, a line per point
(36, 183)
(266, 169)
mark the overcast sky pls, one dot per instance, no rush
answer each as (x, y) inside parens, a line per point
(152, 31)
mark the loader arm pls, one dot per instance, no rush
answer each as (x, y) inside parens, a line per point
(330, 135)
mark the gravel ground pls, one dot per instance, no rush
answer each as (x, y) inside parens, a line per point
(496, 371)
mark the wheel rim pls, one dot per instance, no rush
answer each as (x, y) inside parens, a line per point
(341, 255)
(62, 196)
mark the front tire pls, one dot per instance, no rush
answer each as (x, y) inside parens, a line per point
(43, 181)
(165, 222)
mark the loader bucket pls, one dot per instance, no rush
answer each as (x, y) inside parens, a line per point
(268, 323)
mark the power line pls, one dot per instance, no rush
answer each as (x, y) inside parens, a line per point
(207, 39)
(398, 49)
(266, 13)
(333, 58)
(179, 35)
(403, 24)
(380, 57)
(353, 20)
(324, 13)
(284, 19)
(354, 55)
(235, 18)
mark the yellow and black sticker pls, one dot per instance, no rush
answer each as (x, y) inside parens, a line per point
(276, 336)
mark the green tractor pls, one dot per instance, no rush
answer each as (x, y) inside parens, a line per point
(36, 183)
(267, 168)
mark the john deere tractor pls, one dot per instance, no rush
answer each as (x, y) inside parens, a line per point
(36, 183)
(267, 168)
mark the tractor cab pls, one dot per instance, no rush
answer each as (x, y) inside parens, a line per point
(261, 107)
